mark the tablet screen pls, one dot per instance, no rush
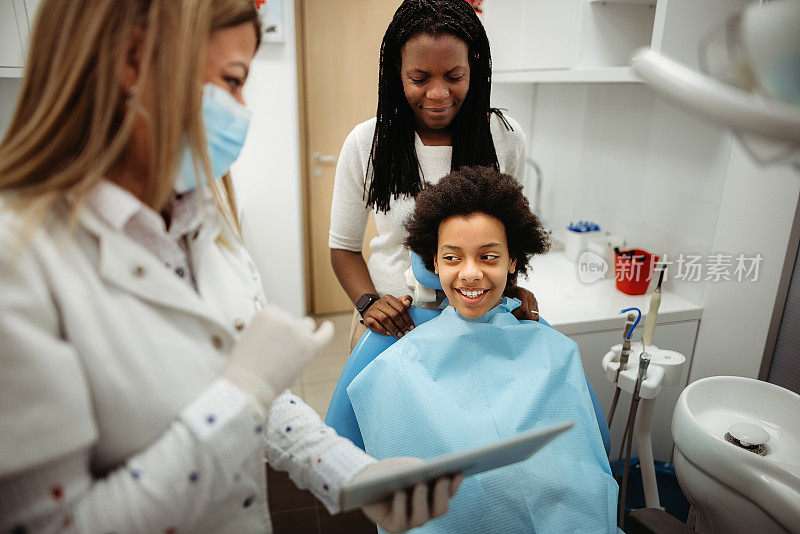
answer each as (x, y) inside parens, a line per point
(472, 461)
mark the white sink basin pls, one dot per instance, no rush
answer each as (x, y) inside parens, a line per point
(733, 489)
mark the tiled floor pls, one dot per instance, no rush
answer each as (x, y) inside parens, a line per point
(298, 512)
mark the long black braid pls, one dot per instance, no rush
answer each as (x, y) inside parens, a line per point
(393, 168)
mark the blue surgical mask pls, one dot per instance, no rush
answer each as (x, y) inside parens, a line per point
(226, 122)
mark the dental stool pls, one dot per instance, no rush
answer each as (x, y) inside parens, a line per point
(340, 413)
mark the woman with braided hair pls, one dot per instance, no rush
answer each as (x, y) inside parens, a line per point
(433, 117)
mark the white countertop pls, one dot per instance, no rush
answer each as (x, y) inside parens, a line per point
(573, 307)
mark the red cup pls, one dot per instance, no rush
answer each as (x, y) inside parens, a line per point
(633, 270)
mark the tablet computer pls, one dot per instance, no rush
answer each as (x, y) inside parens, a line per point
(484, 458)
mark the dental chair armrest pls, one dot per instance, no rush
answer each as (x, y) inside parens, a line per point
(654, 521)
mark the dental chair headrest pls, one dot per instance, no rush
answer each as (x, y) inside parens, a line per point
(423, 275)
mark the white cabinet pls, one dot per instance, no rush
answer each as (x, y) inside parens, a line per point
(680, 25)
(16, 20)
(564, 41)
(532, 34)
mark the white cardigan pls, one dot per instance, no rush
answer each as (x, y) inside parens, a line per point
(390, 260)
(112, 413)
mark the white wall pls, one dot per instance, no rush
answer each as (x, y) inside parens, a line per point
(756, 214)
(267, 174)
(667, 182)
(617, 155)
(517, 101)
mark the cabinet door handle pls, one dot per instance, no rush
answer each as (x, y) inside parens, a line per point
(323, 158)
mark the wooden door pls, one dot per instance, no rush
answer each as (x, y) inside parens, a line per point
(339, 48)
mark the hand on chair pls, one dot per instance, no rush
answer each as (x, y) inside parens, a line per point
(529, 310)
(395, 514)
(389, 316)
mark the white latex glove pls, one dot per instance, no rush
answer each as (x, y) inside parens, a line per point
(394, 514)
(273, 352)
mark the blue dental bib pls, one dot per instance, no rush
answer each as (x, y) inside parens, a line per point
(455, 383)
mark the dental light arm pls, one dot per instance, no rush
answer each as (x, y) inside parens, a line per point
(747, 83)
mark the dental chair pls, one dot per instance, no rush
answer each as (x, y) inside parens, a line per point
(340, 413)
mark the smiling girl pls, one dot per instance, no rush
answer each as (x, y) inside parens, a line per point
(433, 117)
(475, 230)
(475, 374)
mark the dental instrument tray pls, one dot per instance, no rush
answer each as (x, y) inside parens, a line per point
(470, 462)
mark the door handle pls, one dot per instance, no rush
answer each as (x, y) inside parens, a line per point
(323, 158)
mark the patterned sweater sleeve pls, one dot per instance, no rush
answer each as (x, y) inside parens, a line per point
(316, 457)
(201, 452)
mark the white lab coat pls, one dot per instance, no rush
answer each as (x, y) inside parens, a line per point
(104, 346)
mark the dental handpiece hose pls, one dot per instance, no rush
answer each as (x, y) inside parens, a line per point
(623, 363)
(652, 312)
(628, 432)
(644, 363)
(644, 360)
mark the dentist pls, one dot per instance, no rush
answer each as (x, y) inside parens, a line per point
(142, 375)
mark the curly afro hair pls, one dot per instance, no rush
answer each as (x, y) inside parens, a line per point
(477, 190)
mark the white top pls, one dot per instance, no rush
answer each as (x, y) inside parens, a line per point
(113, 417)
(390, 260)
(126, 213)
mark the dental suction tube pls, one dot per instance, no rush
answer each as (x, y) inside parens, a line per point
(644, 363)
(630, 324)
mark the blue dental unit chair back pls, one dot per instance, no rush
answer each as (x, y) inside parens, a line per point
(340, 413)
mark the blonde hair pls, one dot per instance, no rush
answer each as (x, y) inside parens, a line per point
(74, 121)
(226, 14)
